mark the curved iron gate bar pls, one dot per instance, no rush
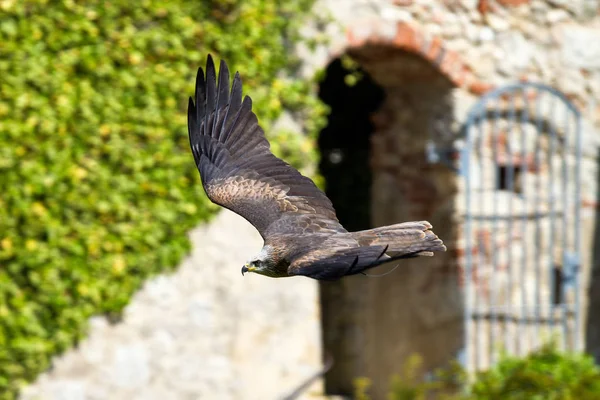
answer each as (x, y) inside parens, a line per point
(476, 109)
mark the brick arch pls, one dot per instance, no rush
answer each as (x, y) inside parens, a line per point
(407, 37)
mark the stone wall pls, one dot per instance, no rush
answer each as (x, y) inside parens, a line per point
(203, 332)
(434, 59)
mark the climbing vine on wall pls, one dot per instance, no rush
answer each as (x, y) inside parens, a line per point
(98, 187)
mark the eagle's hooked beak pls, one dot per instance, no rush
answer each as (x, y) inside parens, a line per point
(247, 268)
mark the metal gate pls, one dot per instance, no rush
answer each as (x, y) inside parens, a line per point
(521, 169)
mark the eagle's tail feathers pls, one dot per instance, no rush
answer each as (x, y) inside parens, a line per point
(408, 238)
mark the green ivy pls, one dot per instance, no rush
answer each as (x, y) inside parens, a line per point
(98, 186)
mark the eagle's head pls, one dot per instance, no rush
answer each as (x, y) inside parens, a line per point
(263, 264)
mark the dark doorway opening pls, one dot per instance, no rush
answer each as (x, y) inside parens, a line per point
(345, 153)
(345, 143)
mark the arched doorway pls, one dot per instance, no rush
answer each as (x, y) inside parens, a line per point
(377, 171)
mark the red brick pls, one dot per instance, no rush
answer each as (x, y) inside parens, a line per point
(477, 87)
(407, 37)
(448, 65)
(587, 203)
(513, 3)
(484, 6)
(435, 47)
(357, 41)
(351, 39)
(460, 78)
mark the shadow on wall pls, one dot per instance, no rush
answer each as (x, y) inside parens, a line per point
(593, 322)
(376, 171)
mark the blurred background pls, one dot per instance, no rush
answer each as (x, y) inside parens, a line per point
(120, 280)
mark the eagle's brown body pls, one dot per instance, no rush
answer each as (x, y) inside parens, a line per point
(296, 220)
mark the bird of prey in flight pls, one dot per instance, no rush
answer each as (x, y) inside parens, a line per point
(301, 233)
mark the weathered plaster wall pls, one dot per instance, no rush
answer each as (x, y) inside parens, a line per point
(203, 332)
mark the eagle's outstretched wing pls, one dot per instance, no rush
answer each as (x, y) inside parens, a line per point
(237, 168)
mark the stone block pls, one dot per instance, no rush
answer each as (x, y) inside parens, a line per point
(581, 46)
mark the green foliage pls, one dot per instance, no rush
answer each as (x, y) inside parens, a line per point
(409, 384)
(545, 374)
(97, 180)
(354, 74)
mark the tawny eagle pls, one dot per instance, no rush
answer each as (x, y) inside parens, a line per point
(301, 233)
